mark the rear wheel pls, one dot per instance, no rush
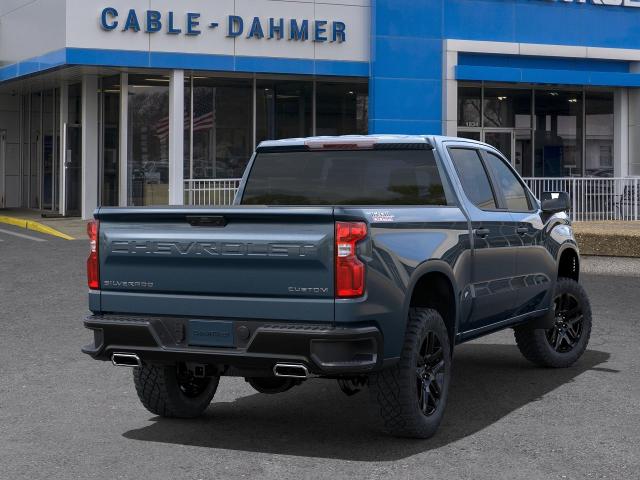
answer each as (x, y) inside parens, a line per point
(173, 391)
(562, 345)
(412, 395)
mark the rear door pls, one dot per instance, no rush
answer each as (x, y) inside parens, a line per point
(494, 255)
(263, 263)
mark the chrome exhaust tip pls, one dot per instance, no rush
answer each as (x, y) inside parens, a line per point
(126, 360)
(289, 370)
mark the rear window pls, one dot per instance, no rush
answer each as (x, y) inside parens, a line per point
(362, 177)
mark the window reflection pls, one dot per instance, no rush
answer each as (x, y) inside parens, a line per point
(148, 145)
(507, 108)
(222, 128)
(558, 151)
(469, 106)
(283, 109)
(341, 108)
(110, 139)
(599, 134)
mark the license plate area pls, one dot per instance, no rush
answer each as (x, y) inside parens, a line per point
(210, 333)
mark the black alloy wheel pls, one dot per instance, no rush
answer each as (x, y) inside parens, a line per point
(566, 333)
(430, 374)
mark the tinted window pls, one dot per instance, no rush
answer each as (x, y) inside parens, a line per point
(368, 177)
(512, 189)
(473, 177)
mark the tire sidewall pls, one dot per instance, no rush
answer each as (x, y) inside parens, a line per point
(427, 321)
(567, 285)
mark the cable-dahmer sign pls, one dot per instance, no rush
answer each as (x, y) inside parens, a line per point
(191, 23)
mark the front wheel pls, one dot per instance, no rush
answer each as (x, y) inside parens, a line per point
(412, 395)
(173, 391)
(562, 345)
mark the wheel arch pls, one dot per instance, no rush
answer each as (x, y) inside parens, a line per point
(569, 263)
(434, 286)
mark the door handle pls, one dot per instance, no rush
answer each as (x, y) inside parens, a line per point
(522, 230)
(481, 232)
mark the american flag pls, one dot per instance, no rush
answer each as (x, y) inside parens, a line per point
(203, 122)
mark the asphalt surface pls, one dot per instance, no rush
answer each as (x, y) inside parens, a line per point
(64, 416)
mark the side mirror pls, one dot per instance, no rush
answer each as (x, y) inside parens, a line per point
(554, 202)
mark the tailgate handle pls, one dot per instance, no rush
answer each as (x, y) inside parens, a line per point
(207, 221)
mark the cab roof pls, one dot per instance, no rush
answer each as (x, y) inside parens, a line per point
(355, 141)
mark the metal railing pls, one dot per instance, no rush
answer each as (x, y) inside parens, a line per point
(594, 198)
(216, 191)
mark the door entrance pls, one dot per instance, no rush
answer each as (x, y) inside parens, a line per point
(3, 168)
(502, 140)
(72, 170)
(515, 144)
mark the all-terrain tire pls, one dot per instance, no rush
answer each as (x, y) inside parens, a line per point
(538, 346)
(162, 392)
(397, 390)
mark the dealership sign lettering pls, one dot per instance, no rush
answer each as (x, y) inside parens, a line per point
(192, 24)
(608, 3)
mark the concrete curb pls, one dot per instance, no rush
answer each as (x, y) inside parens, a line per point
(35, 226)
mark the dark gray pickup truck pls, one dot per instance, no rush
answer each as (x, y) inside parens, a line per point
(361, 259)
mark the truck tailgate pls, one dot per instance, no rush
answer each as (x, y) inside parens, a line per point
(230, 262)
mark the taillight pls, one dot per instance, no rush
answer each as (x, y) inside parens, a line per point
(93, 271)
(349, 268)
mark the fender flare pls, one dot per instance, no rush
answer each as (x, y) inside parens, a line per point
(434, 266)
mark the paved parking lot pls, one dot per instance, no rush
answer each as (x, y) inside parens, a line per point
(64, 416)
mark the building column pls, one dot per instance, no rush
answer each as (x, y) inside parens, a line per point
(450, 92)
(621, 133)
(64, 119)
(176, 138)
(90, 180)
(633, 138)
(123, 141)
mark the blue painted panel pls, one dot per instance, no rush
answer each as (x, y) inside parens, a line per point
(425, 57)
(479, 20)
(407, 18)
(8, 72)
(107, 58)
(120, 58)
(562, 77)
(425, 127)
(191, 61)
(343, 69)
(407, 99)
(550, 63)
(577, 24)
(269, 65)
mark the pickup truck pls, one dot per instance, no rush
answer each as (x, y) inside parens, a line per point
(363, 259)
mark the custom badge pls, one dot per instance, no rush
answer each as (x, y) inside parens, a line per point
(381, 216)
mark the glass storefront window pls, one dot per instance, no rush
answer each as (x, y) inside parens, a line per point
(222, 128)
(558, 136)
(469, 106)
(283, 109)
(110, 89)
(599, 134)
(341, 108)
(507, 108)
(148, 140)
(544, 131)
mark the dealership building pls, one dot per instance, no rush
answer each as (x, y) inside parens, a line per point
(154, 102)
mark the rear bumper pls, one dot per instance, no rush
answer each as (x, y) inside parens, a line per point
(324, 349)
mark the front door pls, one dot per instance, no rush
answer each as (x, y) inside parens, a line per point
(3, 151)
(535, 266)
(73, 170)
